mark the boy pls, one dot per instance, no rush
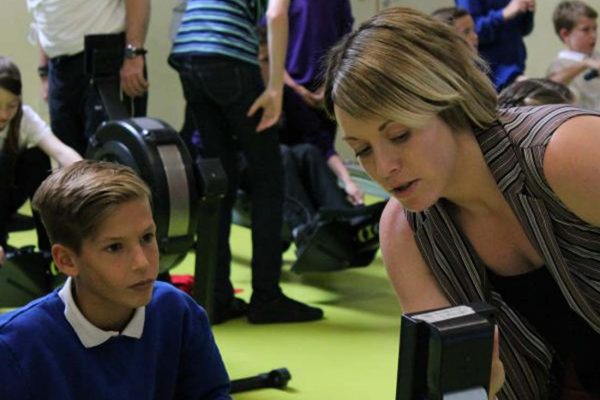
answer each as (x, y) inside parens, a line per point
(577, 65)
(461, 20)
(112, 331)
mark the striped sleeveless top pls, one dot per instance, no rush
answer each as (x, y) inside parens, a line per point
(220, 27)
(514, 151)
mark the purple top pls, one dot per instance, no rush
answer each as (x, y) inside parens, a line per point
(314, 27)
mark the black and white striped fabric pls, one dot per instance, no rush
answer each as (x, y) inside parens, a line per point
(514, 150)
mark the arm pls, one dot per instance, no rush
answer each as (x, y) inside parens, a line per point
(44, 61)
(355, 195)
(13, 385)
(488, 21)
(413, 281)
(57, 150)
(203, 374)
(567, 74)
(132, 72)
(571, 166)
(270, 100)
(411, 277)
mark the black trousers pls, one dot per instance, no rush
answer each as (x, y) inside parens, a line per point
(219, 92)
(18, 182)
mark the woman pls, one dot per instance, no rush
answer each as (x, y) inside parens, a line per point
(490, 205)
(26, 142)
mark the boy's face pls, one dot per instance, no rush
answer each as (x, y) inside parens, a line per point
(582, 38)
(466, 27)
(115, 270)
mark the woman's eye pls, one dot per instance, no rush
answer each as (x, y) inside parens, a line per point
(401, 138)
(362, 152)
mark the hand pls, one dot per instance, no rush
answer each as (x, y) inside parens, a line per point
(592, 63)
(516, 7)
(312, 99)
(44, 88)
(133, 82)
(270, 102)
(355, 195)
(497, 376)
(2, 256)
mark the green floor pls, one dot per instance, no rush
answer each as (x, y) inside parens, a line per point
(350, 355)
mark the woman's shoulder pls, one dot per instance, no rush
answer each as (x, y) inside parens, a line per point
(571, 166)
(534, 125)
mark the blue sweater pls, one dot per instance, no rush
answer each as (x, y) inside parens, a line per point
(500, 42)
(41, 357)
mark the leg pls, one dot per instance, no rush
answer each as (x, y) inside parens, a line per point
(66, 95)
(32, 168)
(322, 183)
(298, 206)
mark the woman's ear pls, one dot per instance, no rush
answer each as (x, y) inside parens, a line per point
(65, 259)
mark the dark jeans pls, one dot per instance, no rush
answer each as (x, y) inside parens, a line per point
(219, 92)
(26, 174)
(309, 184)
(76, 109)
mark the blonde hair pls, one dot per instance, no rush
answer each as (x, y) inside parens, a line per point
(74, 200)
(403, 65)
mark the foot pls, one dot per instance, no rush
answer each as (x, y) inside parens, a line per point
(236, 308)
(282, 309)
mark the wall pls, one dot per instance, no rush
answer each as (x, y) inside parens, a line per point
(166, 100)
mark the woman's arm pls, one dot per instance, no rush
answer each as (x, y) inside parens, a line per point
(572, 166)
(57, 150)
(413, 280)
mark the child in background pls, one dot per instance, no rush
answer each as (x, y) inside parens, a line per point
(461, 20)
(501, 26)
(535, 92)
(26, 141)
(577, 65)
(112, 331)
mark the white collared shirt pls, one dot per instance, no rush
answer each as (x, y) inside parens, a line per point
(572, 55)
(89, 334)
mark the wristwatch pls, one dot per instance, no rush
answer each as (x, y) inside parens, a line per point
(132, 52)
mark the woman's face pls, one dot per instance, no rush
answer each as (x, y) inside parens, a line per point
(415, 165)
(9, 105)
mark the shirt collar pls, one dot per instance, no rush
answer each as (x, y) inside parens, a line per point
(572, 55)
(89, 334)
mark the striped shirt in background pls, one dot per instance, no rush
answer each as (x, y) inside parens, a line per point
(514, 150)
(220, 27)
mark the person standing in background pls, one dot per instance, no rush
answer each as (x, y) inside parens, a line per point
(59, 28)
(216, 55)
(501, 26)
(315, 26)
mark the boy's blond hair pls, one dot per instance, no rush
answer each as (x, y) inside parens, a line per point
(567, 13)
(74, 200)
(403, 65)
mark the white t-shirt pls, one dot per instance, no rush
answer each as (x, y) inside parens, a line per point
(60, 25)
(33, 129)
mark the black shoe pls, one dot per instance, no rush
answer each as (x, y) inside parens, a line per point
(236, 308)
(282, 309)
